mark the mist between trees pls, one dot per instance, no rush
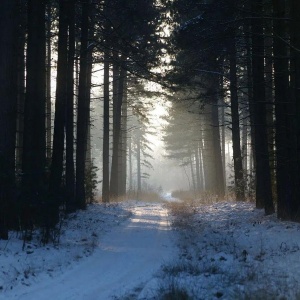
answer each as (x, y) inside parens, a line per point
(226, 73)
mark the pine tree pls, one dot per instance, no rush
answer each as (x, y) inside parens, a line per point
(34, 149)
(8, 102)
(263, 174)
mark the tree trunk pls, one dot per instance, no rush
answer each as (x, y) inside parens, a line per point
(114, 161)
(118, 89)
(201, 165)
(252, 161)
(83, 109)
(105, 182)
(34, 150)
(236, 147)
(88, 150)
(223, 131)
(55, 184)
(219, 178)
(212, 160)
(21, 84)
(191, 162)
(206, 153)
(8, 103)
(245, 141)
(295, 56)
(89, 168)
(269, 87)
(130, 164)
(198, 169)
(281, 80)
(263, 175)
(48, 85)
(123, 144)
(138, 161)
(70, 172)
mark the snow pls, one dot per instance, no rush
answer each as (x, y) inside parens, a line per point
(137, 250)
(233, 251)
(85, 266)
(169, 198)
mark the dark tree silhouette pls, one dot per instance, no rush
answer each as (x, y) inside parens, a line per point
(8, 103)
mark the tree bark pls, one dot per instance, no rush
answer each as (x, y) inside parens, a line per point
(83, 109)
(55, 184)
(201, 165)
(70, 171)
(237, 157)
(281, 80)
(117, 87)
(263, 176)
(34, 150)
(8, 103)
(130, 164)
(207, 149)
(105, 182)
(191, 162)
(123, 143)
(247, 32)
(138, 161)
(245, 142)
(295, 61)
(21, 83)
(205, 135)
(198, 169)
(88, 150)
(223, 142)
(269, 87)
(48, 85)
(115, 167)
(219, 174)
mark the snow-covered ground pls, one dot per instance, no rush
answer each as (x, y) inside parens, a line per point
(135, 250)
(169, 198)
(232, 251)
(101, 255)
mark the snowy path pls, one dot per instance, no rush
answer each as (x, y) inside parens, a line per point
(124, 259)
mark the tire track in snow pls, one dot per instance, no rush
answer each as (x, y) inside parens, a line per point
(125, 258)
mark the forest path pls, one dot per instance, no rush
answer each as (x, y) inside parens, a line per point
(125, 258)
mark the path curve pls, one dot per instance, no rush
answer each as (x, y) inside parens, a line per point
(126, 257)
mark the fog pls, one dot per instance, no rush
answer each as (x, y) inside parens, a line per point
(179, 140)
(165, 174)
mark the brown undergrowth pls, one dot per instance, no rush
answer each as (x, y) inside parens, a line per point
(182, 213)
(140, 196)
(189, 203)
(203, 197)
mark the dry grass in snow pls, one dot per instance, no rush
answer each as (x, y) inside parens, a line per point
(230, 250)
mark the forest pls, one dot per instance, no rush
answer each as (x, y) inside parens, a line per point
(229, 71)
